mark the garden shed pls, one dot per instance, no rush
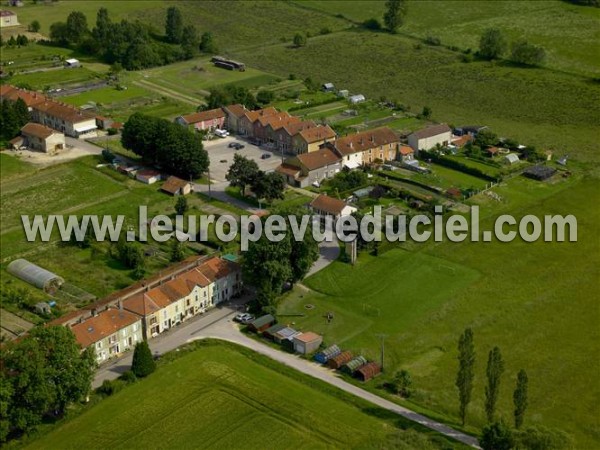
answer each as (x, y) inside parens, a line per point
(327, 354)
(269, 333)
(262, 323)
(285, 333)
(351, 366)
(368, 371)
(35, 275)
(308, 342)
(338, 361)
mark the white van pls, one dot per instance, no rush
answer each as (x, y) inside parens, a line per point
(221, 133)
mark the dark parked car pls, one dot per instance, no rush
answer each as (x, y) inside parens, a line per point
(265, 156)
(223, 161)
(233, 145)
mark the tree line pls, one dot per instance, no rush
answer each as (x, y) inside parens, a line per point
(493, 44)
(13, 115)
(133, 45)
(41, 375)
(165, 144)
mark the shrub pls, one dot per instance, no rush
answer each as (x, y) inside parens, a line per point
(433, 40)
(112, 131)
(527, 54)
(109, 387)
(325, 30)
(143, 363)
(128, 377)
(108, 156)
(372, 24)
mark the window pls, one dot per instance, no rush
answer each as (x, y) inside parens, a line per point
(99, 344)
(136, 325)
(165, 313)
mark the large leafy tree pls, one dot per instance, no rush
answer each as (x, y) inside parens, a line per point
(190, 41)
(174, 25)
(466, 373)
(269, 186)
(522, 52)
(77, 27)
(494, 371)
(492, 44)
(6, 394)
(497, 436)
(242, 172)
(207, 43)
(520, 398)
(395, 10)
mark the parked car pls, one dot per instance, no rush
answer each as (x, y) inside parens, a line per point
(233, 145)
(238, 146)
(221, 133)
(243, 318)
(265, 156)
(223, 161)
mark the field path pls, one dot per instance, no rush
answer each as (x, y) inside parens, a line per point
(168, 92)
(218, 324)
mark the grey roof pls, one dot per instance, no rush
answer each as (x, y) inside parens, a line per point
(35, 275)
(275, 328)
(431, 131)
(287, 333)
(262, 320)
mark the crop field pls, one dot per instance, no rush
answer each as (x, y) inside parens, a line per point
(569, 33)
(520, 296)
(55, 77)
(224, 395)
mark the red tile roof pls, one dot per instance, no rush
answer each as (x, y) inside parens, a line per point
(406, 150)
(253, 116)
(316, 134)
(37, 130)
(104, 324)
(366, 140)
(203, 116)
(12, 93)
(321, 158)
(63, 111)
(328, 204)
(287, 169)
(237, 110)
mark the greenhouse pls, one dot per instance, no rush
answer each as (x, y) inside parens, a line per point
(35, 275)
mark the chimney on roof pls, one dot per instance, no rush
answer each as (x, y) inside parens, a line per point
(350, 144)
(94, 312)
(373, 138)
(120, 304)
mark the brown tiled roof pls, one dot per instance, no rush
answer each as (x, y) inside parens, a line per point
(17, 140)
(406, 150)
(173, 184)
(12, 93)
(102, 325)
(365, 140)
(463, 140)
(237, 110)
(287, 169)
(432, 130)
(147, 173)
(216, 268)
(317, 134)
(328, 204)
(274, 119)
(321, 158)
(203, 116)
(37, 130)
(255, 115)
(6, 13)
(296, 127)
(309, 336)
(63, 111)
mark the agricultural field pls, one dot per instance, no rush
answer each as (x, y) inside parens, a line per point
(569, 33)
(520, 296)
(238, 396)
(54, 78)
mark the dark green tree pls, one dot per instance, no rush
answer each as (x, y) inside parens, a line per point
(181, 205)
(466, 373)
(102, 30)
(174, 25)
(265, 97)
(207, 43)
(59, 33)
(494, 371)
(395, 11)
(269, 186)
(497, 436)
(77, 27)
(143, 363)
(177, 251)
(299, 40)
(542, 438)
(34, 26)
(492, 44)
(190, 41)
(522, 52)
(266, 264)
(520, 398)
(426, 112)
(242, 172)
(486, 138)
(6, 394)
(402, 383)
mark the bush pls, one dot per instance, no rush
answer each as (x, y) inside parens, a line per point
(325, 30)
(143, 363)
(128, 377)
(109, 387)
(112, 131)
(433, 40)
(372, 24)
(527, 54)
(496, 436)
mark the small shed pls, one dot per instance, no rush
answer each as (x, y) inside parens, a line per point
(539, 173)
(285, 334)
(511, 159)
(72, 63)
(338, 361)
(328, 87)
(308, 342)
(176, 186)
(35, 275)
(261, 323)
(351, 366)
(368, 371)
(43, 308)
(269, 333)
(343, 93)
(325, 355)
(148, 176)
(358, 98)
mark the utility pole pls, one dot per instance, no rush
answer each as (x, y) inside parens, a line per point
(209, 193)
(382, 340)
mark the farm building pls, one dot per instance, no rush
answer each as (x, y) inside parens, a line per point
(511, 159)
(69, 120)
(358, 98)
(285, 334)
(306, 343)
(229, 64)
(45, 139)
(338, 361)
(148, 176)
(429, 137)
(72, 63)
(9, 19)
(368, 371)
(35, 275)
(327, 354)
(204, 120)
(261, 323)
(269, 333)
(343, 93)
(351, 366)
(539, 173)
(176, 186)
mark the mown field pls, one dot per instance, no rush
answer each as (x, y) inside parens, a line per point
(220, 396)
(537, 302)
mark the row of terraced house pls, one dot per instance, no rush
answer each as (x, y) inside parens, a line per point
(143, 311)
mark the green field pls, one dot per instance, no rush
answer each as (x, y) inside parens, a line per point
(56, 78)
(537, 302)
(219, 396)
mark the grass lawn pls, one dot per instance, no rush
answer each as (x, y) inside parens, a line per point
(220, 395)
(105, 97)
(537, 302)
(33, 56)
(55, 78)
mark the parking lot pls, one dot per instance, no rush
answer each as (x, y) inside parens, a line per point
(221, 156)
